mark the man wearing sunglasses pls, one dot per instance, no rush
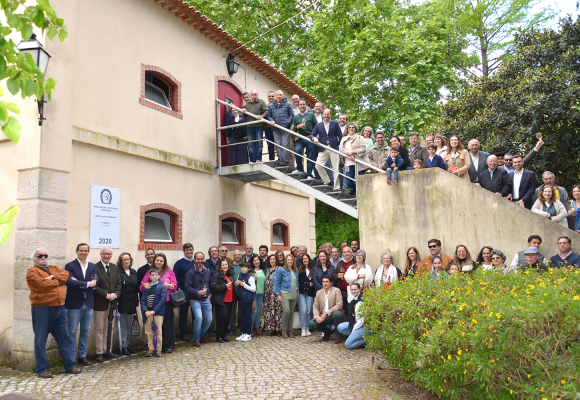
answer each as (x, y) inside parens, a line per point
(47, 297)
(435, 250)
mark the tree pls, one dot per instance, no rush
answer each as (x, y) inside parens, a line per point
(489, 26)
(536, 91)
(21, 72)
(334, 226)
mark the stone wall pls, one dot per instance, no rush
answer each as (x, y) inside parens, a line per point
(431, 203)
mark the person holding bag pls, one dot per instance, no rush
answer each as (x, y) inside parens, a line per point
(457, 159)
(128, 302)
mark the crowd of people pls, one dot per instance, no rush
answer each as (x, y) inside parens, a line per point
(250, 294)
(502, 173)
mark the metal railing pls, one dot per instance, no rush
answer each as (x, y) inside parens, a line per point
(306, 160)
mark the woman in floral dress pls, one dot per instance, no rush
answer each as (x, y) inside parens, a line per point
(272, 307)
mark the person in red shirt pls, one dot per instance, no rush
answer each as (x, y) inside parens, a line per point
(341, 267)
(222, 288)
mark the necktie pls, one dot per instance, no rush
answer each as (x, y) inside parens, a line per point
(107, 269)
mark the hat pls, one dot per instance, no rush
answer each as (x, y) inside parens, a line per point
(531, 250)
(500, 154)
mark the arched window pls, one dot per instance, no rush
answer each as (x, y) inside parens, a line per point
(279, 235)
(160, 90)
(160, 227)
(232, 231)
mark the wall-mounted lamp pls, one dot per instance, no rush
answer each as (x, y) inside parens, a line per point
(232, 64)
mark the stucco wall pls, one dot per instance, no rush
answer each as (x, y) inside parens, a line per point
(431, 203)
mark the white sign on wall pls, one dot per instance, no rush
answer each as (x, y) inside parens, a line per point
(105, 217)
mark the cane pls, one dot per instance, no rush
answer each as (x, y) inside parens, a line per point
(112, 308)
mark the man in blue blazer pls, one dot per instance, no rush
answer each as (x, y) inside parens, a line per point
(523, 184)
(79, 300)
(327, 133)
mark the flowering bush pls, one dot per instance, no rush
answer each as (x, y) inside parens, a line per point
(482, 336)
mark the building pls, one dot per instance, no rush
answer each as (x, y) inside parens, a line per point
(135, 110)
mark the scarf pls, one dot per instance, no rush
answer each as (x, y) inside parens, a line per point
(392, 274)
(551, 209)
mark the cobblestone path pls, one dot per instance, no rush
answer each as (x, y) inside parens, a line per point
(264, 368)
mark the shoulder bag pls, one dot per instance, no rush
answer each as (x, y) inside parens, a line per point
(178, 298)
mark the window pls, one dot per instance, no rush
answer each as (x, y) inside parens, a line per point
(157, 227)
(160, 227)
(279, 235)
(157, 91)
(229, 229)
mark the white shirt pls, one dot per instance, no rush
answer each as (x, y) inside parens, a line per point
(318, 117)
(517, 180)
(342, 128)
(325, 309)
(475, 160)
(127, 271)
(84, 268)
(326, 126)
(237, 118)
(251, 285)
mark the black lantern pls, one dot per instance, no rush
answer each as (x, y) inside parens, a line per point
(232, 64)
(40, 57)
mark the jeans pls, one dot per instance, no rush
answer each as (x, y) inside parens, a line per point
(126, 321)
(183, 311)
(335, 319)
(257, 313)
(270, 136)
(287, 313)
(299, 146)
(255, 148)
(351, 183)
(245, 312)
(83, 316)
(282, 139)
(202, 315)
(355, 337)
(394, 173)
(51, 319)
(305, 306)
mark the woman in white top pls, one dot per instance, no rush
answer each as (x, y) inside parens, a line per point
(359, 272)
(387, 272)
(483, 260)
(547, 206)
(368, 134)
(354, 146)
(441, 145)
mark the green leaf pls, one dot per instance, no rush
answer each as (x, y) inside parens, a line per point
(6, 218)
(30, 88)
(13, 107)
(12, 129)
(26, 32)
(3, 113)
(13, 86)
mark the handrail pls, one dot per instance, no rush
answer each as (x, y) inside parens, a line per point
(222, 128)
(302, 137)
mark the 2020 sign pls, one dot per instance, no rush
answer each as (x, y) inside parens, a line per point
(105, 217)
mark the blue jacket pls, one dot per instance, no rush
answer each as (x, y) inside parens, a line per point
(437, 162)
(246, 296)
(180, 268)
(398, 162)
(281, 113)
(194, 282)
(158, 302)
(283, 280)
(76, 290)
(332, 139)
(211, 266)
(318, 274)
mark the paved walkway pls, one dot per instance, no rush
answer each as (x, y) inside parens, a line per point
(264, 368)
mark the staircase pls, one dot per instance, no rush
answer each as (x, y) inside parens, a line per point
(314, 187)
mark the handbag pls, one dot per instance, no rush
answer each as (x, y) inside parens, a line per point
(135, 328)
(178, 298)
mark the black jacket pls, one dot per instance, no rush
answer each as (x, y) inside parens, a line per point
(404, 153)
(218, 287)
(500, 183)
(238, 133)
(304, 285)
(129, 299)
(332, 139)
(527, 187)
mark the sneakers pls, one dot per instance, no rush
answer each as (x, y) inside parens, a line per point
(389, 183)
(308, 332)
(243, 335)
(303, 332)
(295, 172)
(309, 178)
(246, 338)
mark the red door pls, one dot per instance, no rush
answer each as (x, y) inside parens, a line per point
(226, 92)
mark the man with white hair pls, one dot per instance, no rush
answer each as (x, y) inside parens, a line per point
(280, 113)
(47, 297)
(548, 178)
(478, 160)
(495, 179)
(107, 292)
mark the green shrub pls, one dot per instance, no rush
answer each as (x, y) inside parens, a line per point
(482, 336)
(334, 226)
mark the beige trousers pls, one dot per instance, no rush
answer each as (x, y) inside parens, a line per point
(149, 331)
(100, 324)
(335, 161)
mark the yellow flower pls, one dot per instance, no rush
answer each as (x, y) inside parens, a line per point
(449, 358)
(576, 297)
(563, 382)
(459, 352)
(529, 376)
(541, 389)
(492, 360)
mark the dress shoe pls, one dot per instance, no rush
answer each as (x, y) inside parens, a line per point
(99, 358)
(131, 350)
(284, 335)
(290, 334)
(279, 333)
(74, 370)
(225, 339)
(326, 336)
(203, 340)
(258, 331)
(196, 343)
(111, 355)
(273, 333)
(219, 340)
(184, 338)
(168, 351)
(84, 361)
(45, 375)
(125, 352)
(338, 340)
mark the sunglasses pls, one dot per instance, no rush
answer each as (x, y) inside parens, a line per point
(42, 256)
(432, 247)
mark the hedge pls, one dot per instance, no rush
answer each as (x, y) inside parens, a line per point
(482, 336)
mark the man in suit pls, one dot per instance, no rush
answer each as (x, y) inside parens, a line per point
(478, 160)
(327, 133)
(548, 178)
(107, 292)
(495, 179)
(523, 183)
(79, 299)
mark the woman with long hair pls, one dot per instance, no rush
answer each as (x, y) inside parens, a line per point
(322, 268)
(305, 292)
(355, 147)
(222, 290)
(286, 289)
(457, 159)
(441, 143)
(573, 207)
(484, 258)
(548, 206)
(128, 301)
(259, 296)
(272, 307)
(167, 279)
(413, 264)
(463, 259)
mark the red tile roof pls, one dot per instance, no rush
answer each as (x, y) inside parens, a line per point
(211, 30)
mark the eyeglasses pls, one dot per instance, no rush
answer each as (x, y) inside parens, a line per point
(351, 127)
(433, 246)
(42, 256)
(508, 159)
